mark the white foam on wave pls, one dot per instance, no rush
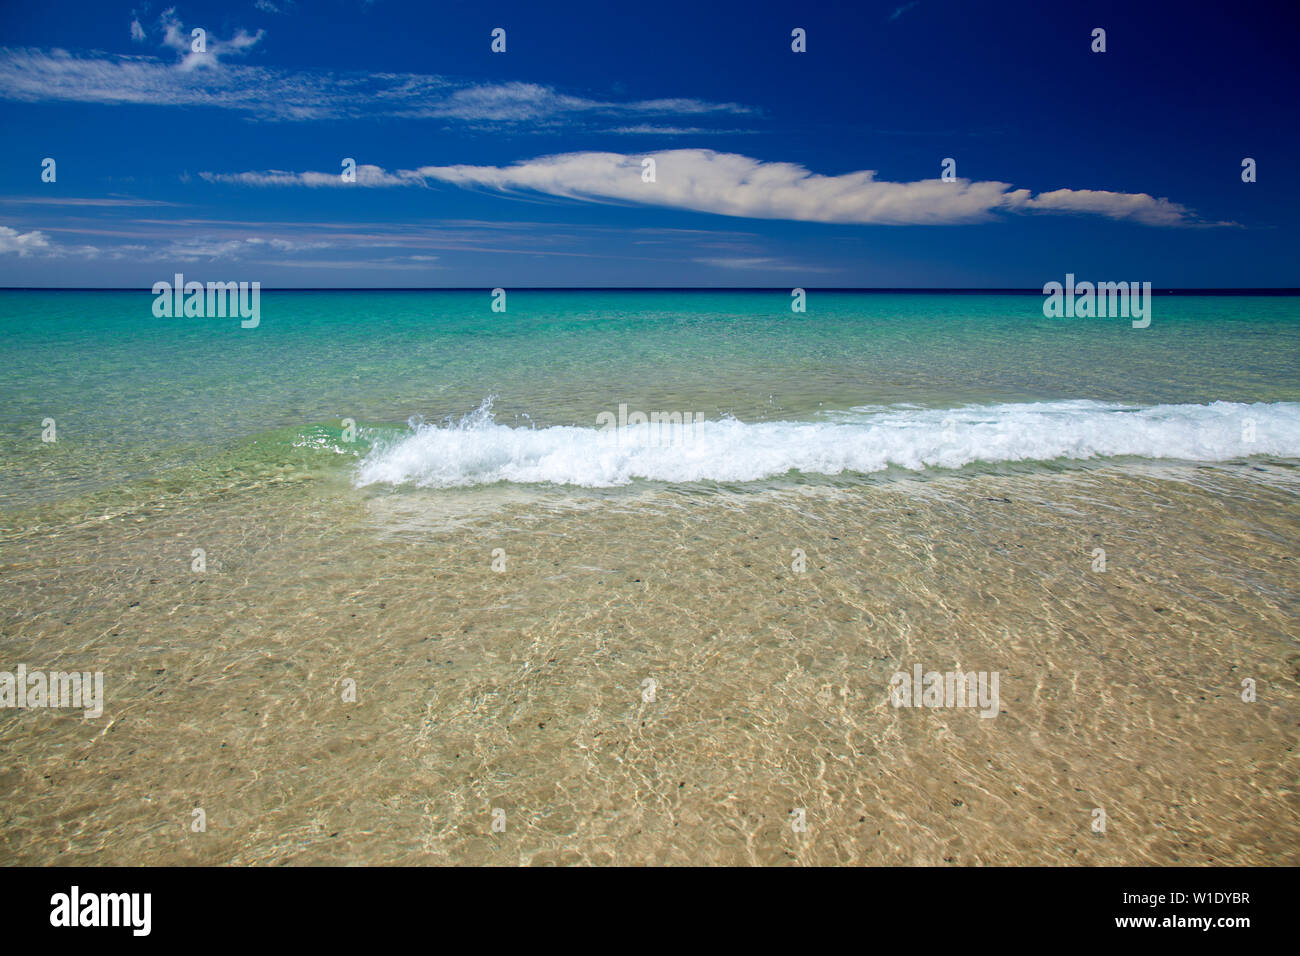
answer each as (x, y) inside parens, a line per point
(479, 451)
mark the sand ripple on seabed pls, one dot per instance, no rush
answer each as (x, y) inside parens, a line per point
(523, 690)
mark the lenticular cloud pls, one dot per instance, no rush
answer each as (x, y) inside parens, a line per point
(730, 184)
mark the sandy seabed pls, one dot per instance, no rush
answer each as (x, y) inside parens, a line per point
(525, 690)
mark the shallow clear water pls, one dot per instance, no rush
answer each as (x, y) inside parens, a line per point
(883, 482)
(133, 395)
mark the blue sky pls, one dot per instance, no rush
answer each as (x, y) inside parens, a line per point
(772, 167)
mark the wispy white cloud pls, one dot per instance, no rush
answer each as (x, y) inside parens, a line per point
(35, 243)
(176, 37)
(397, 245)
(902, 10)
(24, 243)
(79, 201)
(265, 93)
(391, 263)
(650, 129)
(520, 102)
(366, 176)
(1139, 207)
(764, 263)
(730, 184)
(200, 249)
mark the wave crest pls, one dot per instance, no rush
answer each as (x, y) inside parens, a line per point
(476, 450)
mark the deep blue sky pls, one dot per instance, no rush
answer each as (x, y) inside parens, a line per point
(151, 146)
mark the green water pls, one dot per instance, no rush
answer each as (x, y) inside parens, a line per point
(134, 396)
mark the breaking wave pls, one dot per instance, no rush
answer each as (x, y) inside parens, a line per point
(477, 450)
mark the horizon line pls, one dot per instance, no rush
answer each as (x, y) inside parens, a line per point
(987, 290)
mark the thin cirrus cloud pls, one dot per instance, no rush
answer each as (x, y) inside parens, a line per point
(37, 243)
(730, 184)
(204, 249)
(108, 202)
(648, 129)
(267, 94)
(393, 246)
(763, 263)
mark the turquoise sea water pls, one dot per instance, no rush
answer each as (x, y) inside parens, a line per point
(135, 396)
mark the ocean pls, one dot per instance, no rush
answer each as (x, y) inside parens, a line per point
(496, 527)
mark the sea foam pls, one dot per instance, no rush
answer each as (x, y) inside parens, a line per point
(478, 451)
